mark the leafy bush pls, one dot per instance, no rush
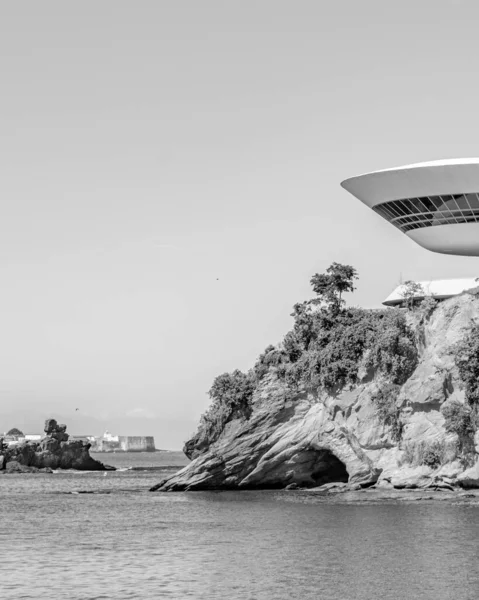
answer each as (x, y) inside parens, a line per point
(393, 350)
(325, 349)
(388, 413)
(430, 453)
(328, 347)
(467, 362)
(427, 307)
(271, 357)
(231, 395)
(458, 419)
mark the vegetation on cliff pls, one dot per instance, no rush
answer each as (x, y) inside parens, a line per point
(329, 347)
(462, 418)
(401, 411)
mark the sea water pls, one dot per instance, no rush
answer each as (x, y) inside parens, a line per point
(90, 536)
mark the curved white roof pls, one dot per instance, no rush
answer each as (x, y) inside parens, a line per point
(432, 163)
(439, 288)
(437, 177)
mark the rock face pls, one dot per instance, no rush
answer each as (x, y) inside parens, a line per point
(54, 451)
(313, 439)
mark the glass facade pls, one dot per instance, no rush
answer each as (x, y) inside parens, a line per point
(414, 213)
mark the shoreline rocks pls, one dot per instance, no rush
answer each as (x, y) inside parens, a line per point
(310, 438)
(54, 451)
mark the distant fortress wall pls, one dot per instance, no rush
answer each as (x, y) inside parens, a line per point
(136, 443)
(123, 443)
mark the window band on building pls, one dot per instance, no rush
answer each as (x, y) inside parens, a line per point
(429, 211)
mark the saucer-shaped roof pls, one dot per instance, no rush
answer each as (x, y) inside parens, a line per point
(435, 203)
(433, 178)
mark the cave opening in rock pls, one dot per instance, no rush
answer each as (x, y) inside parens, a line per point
(327, 468)
(317, 467)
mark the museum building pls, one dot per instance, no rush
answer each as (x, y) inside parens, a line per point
(435, 203)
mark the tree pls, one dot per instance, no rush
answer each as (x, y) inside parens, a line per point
(233, 390)
(411, 290)
(330, 286)
(15, 432)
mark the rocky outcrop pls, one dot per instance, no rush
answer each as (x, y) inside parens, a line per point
(310, 439)
(54, 451)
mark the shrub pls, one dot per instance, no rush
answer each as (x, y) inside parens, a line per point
(386, 410)
(265, 360)
(467, 362)
(393, 350)
(430, 453)
(427, 307)
(458, 419)
(231, 395)
(325, 349)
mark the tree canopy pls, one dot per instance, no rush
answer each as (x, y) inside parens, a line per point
(330, 286)
(15, 432)
(410, 291)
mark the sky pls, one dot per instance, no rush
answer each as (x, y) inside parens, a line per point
(170, 182)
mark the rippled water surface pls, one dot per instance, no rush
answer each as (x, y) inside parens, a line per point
(123, 542)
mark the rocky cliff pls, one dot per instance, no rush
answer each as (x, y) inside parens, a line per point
(54, 451)
(315, 437)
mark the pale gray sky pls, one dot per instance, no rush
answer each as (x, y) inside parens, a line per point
(151, 147)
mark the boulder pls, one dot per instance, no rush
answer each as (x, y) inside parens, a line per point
(50, 426)
(49, 444)
(411, 477)
(54, 451)
(13, 466)
(470, 477)
(292, 486)
(60, 436)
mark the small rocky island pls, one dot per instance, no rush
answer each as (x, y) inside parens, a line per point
(350, 399)
(54, 451)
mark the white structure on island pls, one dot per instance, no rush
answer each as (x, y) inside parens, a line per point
(439, 289)
(108, 437)
(436, 203)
